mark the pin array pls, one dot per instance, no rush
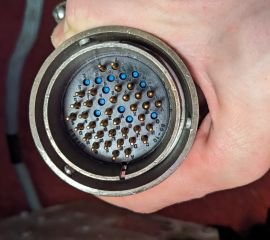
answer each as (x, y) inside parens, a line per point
(135, 90)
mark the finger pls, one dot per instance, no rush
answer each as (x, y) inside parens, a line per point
(57, 34)
(151, 16)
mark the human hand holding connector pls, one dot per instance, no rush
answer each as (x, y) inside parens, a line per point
(225, 45)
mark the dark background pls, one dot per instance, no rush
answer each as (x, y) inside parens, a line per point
(238, 208)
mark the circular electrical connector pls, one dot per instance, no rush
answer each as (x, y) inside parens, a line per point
(113, 111)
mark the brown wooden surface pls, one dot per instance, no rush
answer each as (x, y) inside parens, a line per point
(99, 221)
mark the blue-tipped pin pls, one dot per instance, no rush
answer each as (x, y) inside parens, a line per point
(101, 101)
(154, 115)
(98, 80)
(121, 109)
(86, 82)
(105, 89)
(135, 74)
(111, 78)
(123, 76)
(97, 113)
(143, 84)
(129, 119)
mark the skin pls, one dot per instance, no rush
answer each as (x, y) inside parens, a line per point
(226, 47)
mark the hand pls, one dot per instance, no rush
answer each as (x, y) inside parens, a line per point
(226, 46)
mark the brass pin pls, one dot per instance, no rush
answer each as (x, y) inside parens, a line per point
(158, 103)
(79, 127)
(114, 65)
(107, 144)
(93, 91)
(124, 131)
(112, 133)
(126, 98)
(108, 111)
(71, 117)
(149, 127)
(87, 136)
(104, 123)
(141, 117)
(127, 152)
(101, 68)
(137, 129)
(146, 105)
(84, 115)
(99, 134)
(95, 146)
(150, 93)
(88, 103)
(144, 139)
(118, 88)
(75, 105)
(80, 94)
(133, 107)
(113, 99)
(132, 140)
(138, 95)
(130, 86)
(120, 142)
(92, 125)
(115, 154)
(116, 121)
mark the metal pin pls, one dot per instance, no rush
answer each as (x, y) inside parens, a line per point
(71, 117)
(87, 136)
(133, 107)
(146, 105)
(120, 142)
(115, 154)
(132, 140)
(113, 99)
(137, 129)
(144, 139)
(101, 68)
(88, 103)
(150, 93)
(95, 146)
(80, 94)
(158, 103)
(104, 123)
(92, 125)
(108, 111)
(126, 98)
(93, 91)
(127, 152)
(112, 133)
(141, 117)
(114, 65)
(149, 127)
(107, 144)
(118, 88)
(79, 127)
(130, 86)
(138, 95)
(75, 105)
(116, 121)
(124, 131)
(99, 134)
(84, 115)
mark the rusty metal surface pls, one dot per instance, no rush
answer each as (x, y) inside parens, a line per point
(99, 221)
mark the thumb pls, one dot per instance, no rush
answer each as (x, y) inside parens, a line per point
(61, 32)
